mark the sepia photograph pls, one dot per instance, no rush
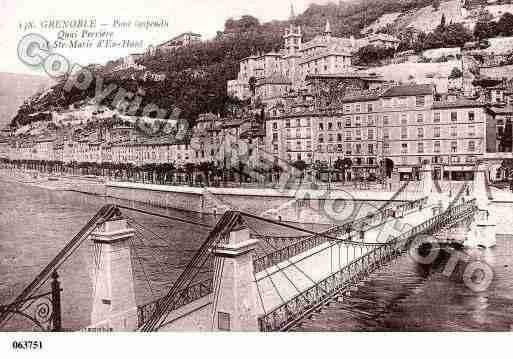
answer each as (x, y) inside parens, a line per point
(300, 166)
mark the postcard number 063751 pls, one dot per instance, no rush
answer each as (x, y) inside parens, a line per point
(27, 345)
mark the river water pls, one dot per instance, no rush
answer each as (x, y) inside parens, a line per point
(36, 223)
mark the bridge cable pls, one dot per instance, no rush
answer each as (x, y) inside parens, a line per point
(229, 220)
(166, 217)
(288, 260)
(143, 270)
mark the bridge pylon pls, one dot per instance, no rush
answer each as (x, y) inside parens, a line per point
(235, 303)
(114, 305)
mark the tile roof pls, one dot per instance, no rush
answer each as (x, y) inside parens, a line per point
(507, 110)
(409, 90)
(460, 102)
(274, 79)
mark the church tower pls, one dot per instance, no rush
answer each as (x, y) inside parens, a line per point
(293, 35)
(327, 30)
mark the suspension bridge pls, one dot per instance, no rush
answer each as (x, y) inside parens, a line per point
(249, 273)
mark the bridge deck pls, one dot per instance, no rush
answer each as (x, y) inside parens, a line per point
(287, 284)
(283, 281)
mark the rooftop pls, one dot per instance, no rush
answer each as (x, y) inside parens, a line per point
(460, 102)
(409, 90)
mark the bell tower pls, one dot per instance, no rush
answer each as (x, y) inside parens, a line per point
(292, 35)
(327, 30)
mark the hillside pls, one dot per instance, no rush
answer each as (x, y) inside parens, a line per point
(196, 76)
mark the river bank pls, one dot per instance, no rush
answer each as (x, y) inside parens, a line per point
(296, 206)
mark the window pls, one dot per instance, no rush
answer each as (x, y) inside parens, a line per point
(454, 146)
(420, 117)
(358, 134)
(370, 120)
(454, 116)
(455, 159)
(471, 131)
(339, 137)
(386, 134)
(386, 148)
(275, 136)
(339, 125)
(275, 126)
(436, 147)
(454, 131)
(307, 122)
(370, 148)
(358, 108)
(308, 145)
(370, 107)
(321, 139)
(348, 121)
(420, 147)
(298, 122)
(358, 148)
(298, 146)
(330, 126)
(471, 116)
(347, 108)
(289, 134)
(287, 123)
(402, 102)
(275, 148)
(436, 117)
(348, 135)
(404, 148)
(223, 321)
(321, 126)
(420, 132)
(420, 101)
(387, 103)
(471, 146)
(404, 119)
(357, 121)
(370, 134)
(330, 137)
(385, 120)
(404, 133)
(436, 132)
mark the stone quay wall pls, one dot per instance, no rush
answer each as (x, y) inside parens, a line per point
(274, 204)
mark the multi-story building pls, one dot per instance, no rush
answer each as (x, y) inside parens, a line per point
(395, 128)
(324, 54)
(184, 39)
(415, 128)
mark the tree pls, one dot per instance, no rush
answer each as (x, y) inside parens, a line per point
(505, 25)
(456, 73)
(301, 166)
(371, 54)
(484, 30)
(442, 21)
(252, 85)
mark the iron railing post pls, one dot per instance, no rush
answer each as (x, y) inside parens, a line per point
(56, 303)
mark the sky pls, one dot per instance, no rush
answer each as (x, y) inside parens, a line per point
(201, 16)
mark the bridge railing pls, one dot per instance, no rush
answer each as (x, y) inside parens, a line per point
(290, 312)
(186, 296)
(310, 242)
